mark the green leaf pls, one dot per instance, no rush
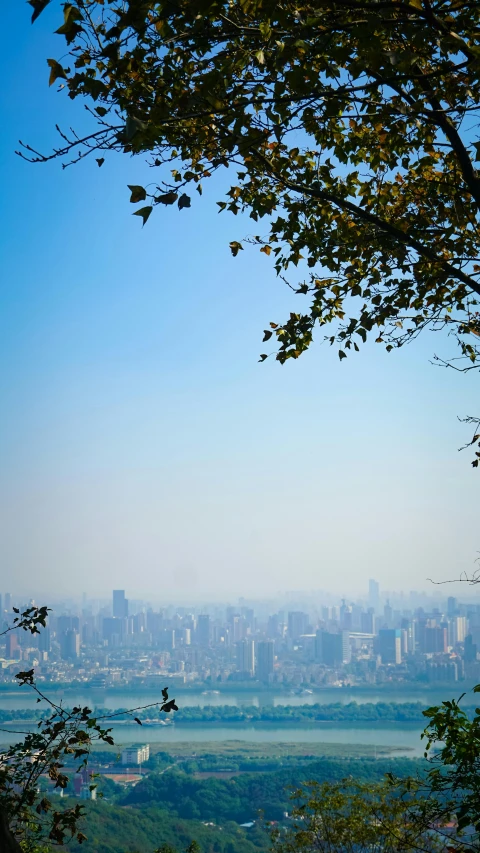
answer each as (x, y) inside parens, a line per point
(166, 198)
(56, 71)
(38, 7)
(70, 29)
(137, 193)
(235, 247)
(144, 212)
(184, 201)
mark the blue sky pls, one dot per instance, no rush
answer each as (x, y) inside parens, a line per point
(144, 446)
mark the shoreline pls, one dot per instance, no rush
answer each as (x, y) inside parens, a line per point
(202, 689)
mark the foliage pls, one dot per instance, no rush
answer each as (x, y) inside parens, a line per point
(285, 714)
(349, 817)
(242, 797)
(454, 775)
(150, 828)
(351, 129)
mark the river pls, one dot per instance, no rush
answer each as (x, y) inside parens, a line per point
(405, 736)
(23, 697)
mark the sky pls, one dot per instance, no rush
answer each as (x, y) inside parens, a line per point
(142, 445)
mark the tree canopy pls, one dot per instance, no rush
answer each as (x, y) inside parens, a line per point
(351, 128)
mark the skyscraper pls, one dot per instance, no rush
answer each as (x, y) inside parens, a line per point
(203, 630)
(297, 624)
(332, 649)
(246, 657)
(44, 642)
(390, 645)
(12, 650)
(367, 621)
(374, 594)
(120, 604)
(265, 660)
(70, 644)
(451, 606)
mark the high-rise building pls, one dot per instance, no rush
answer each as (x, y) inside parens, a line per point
(433, 639)
(12, 651)
(203, 630)
(332, 649)
(8, 602)
(457, 630)
(120, 604)
(44, 643)
(409, 627)
(265, 660)
(374, 594)
(388, 614)
(470, 649)
(70, 644)
(451, 606)
(238, 628)
(246, 657)
(367, 621)
(297, 624)
(390, 645)
(114, 630)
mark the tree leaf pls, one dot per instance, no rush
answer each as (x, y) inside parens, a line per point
(137, 193)
(144, 212)
(38, 7)
(184, 201)
(100, 161)
(235, 247)
(56, 71)
(166, 198)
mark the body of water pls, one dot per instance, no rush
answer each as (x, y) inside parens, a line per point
(23, 697)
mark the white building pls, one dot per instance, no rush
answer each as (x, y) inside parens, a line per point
(136, 754)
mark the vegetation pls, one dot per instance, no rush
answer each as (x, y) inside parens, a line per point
(351, 712)
(356, 818)
(350, 128)
(240, 799)
(336, 712)
(452, 784)
(148, 829)
(243, 749)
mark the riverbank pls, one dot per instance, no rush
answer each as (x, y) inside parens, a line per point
(296, 715)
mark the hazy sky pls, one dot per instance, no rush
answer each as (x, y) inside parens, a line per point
(143, 445)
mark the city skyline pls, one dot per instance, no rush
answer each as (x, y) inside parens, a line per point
(127, 642)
